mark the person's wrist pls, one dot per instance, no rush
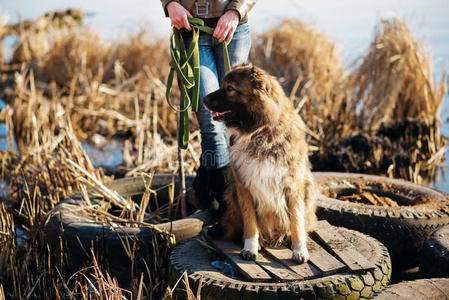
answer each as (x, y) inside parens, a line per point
(234, 14)
(170, 5)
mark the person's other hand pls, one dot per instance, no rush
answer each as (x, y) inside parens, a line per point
(178, 15)
(226, 26)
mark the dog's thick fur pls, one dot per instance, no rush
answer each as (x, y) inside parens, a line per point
(271, 196)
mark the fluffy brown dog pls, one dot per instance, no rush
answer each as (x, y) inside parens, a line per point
(271, 196)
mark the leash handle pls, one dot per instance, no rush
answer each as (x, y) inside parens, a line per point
(188, 77)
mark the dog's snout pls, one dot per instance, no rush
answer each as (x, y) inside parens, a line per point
(206, 100)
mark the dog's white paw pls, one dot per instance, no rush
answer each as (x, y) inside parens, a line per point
(251, 248)
(248, 254)
(301, 256)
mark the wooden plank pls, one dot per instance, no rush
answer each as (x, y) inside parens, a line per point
(341, 247)
(284, 256)
(323, 260)
(247, 268)
(276, 269)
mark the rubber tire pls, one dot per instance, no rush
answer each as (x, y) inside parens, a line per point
(76, 232)
(196, 259)
(435, 254)
(402, 230)
(422, 289)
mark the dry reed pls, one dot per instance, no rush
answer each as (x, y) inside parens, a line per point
(47, 116)
(169, 294)
(394, 79)
(380, 117)
(62, 90)
(400, 101)
(309, 67)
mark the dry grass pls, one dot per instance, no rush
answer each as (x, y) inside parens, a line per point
(393, 85)
(62, 90)
(394, 79)
(188, 289)
(61, 95)
(309, 67)
(111, 89)
(380, 116)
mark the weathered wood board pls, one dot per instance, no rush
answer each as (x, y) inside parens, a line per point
(284, 256)
(341, 247)
(247, 268)
(276, 269)
(330, 253)
(323, 260)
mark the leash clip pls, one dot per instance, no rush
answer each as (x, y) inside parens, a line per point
(202, 10)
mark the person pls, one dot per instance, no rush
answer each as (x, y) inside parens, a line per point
(230, 20)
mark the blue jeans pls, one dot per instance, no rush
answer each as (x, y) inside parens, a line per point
(214, 141)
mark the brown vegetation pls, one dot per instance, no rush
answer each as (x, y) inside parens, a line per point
(310, 70)
(62, 89)
(381, 117)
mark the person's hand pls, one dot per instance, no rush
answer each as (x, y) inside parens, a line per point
(178, 15)
(226, 26)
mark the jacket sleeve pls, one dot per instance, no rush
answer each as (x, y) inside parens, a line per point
(164, 5)
(241, 6)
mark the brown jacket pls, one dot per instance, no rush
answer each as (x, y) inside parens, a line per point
(213, 8)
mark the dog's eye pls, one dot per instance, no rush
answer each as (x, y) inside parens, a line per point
(230, 88)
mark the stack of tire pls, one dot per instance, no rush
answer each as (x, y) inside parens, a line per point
(435, 254)
(422, 289)
(194, 257)
(402, 229)
(73, 231)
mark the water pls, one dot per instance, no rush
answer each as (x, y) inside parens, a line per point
(5, 140)
(350, 23)
(108, 155)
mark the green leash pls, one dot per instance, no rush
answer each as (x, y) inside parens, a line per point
(188, 77)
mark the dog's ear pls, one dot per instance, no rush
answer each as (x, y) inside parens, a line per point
(260, 80)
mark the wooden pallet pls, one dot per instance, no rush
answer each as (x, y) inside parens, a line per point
(330, 253)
